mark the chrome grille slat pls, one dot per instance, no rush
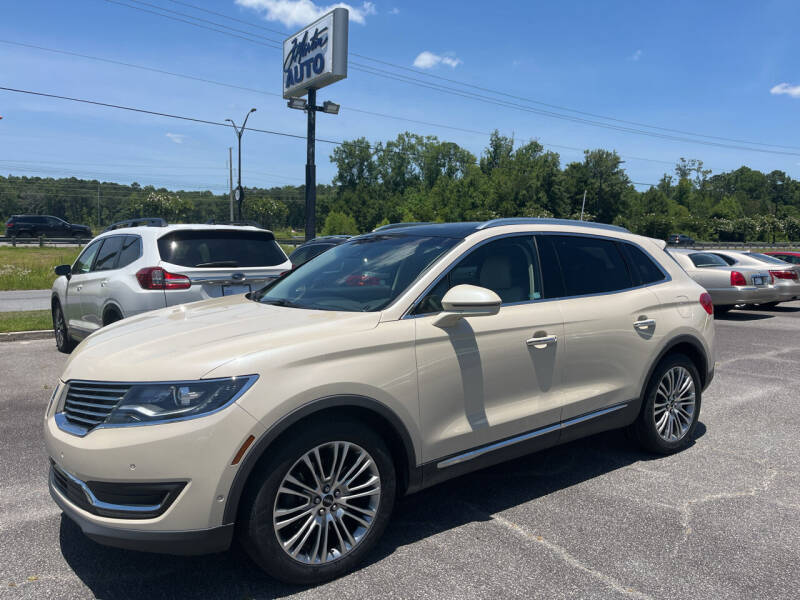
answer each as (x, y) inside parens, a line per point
(88, 404)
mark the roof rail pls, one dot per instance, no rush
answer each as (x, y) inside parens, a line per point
(538, 221)
(236, 223)
(399, 225)
(143, 222)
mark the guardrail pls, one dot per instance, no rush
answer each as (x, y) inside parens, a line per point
(740, 245)
(48, 241)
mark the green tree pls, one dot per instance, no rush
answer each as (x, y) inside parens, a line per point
(339, 223)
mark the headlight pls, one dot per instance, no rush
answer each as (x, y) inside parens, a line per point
(152, 402)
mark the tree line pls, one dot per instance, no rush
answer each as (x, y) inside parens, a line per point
(422, 178)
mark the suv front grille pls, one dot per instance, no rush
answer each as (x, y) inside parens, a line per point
(88, 403)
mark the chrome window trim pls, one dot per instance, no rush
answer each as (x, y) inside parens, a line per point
(667, 277)
(77, 430)
(460, 458)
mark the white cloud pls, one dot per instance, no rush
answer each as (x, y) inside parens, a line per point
(297, 13)
(176, 137)
(785, 88)
(428, 60)
(635, 56)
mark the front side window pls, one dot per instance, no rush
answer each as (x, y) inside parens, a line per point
(84, 262)
(706, 259)
(364, 274)
(507, 266)
(210, 248)
(589, 265)
(107, 256)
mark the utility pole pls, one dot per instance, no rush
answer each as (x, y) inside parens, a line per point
(230, 178)
(239, 194)
(584, 204)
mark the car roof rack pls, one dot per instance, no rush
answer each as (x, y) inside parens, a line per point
(236, 223)
(143, 222)
(545, 221)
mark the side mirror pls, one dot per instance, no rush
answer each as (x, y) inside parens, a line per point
(64, 270)
(467, 301)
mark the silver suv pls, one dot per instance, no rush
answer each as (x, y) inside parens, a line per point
(293, 416)
(130, 269)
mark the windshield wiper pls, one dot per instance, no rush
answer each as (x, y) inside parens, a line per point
(219, 263)
(282, 302)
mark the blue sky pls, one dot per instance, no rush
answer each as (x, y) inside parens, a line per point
(727, 69)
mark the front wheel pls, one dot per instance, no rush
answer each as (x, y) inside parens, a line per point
(64, 342)
(320, 503)
(671, 406)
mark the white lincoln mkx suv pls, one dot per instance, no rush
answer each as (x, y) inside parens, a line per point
(292, 417)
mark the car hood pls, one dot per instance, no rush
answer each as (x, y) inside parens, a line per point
(188, 341)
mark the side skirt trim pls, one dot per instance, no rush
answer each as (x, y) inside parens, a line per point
(460, 458)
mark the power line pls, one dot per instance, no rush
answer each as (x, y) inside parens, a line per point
(457, 82)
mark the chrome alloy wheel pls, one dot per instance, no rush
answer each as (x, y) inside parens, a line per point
(327, 503)
(60, 328)
(675, 402)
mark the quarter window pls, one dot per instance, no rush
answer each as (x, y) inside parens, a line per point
(590, 265)
(107, 256)
(506, 266)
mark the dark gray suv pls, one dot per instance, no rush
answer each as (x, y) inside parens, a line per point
(46, 225)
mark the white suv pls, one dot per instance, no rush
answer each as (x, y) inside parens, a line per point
(292, 417)
(130, 269)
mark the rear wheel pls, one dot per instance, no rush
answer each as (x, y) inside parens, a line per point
(64, 342)
(320, 503)
(671, 406)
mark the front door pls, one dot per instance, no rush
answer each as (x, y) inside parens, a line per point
(73, 311)
(489, 377)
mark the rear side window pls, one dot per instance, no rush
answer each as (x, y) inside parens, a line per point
(590, 265)
(107, 256)
(220, 248)
(643, 269)
(131, 250)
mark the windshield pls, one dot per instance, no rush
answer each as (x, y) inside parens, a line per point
(705, 259)
(364, 274)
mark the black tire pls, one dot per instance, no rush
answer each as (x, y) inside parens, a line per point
(722, 310)
(256, 530)
(64, 342)
(111, 316)
(645, 429)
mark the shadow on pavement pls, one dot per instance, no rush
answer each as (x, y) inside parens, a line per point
(114, 573)
(742, 316)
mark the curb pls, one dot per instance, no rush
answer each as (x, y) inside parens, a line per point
(18, 336)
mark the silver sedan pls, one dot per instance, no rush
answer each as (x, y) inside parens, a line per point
(785, 276)
(728, 285)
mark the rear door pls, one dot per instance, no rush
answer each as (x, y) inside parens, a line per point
(220, 262)
(611, 321)
(95, 291)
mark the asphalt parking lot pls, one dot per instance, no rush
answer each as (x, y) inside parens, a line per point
(593, 519)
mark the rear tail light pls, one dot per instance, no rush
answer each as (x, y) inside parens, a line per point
(706, 303)
(156, 278)
(9, 225)
(783, 275)
(737, 278)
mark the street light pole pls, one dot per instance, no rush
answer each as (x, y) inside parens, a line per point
(239, 194)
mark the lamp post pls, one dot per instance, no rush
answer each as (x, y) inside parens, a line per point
(311, 108)
(239, 193)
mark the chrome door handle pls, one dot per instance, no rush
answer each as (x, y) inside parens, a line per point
(644, 324)
(78, 288)
(542, 341)
(103, 283)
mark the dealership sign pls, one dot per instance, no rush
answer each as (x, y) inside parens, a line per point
(316, 56)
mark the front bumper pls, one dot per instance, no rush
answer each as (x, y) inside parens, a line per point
(193, 542)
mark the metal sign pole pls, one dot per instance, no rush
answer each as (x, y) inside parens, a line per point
(311, 168)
